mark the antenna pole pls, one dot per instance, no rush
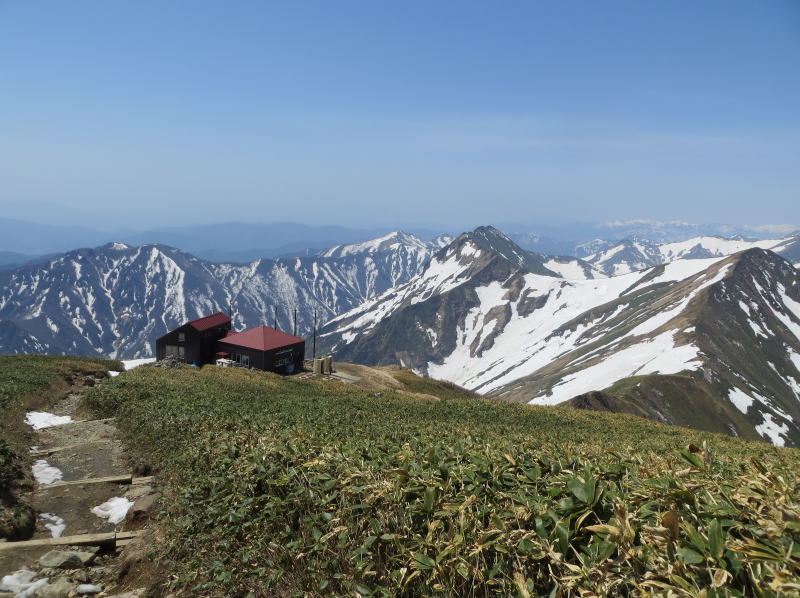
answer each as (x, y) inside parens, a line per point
(294, 330)
(314, 350)
(275, 317)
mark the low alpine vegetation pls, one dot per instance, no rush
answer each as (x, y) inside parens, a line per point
(280, 486)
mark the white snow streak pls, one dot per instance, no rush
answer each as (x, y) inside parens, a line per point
(656, 356)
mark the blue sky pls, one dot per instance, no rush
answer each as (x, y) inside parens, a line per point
(382, 114)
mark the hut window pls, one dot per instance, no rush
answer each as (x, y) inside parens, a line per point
(181, 337)
(245, 360)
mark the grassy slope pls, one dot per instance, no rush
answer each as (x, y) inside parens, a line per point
(682, 400)
(28, 382)
(280, 486)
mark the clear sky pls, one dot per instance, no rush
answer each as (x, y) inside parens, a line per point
(377, 113)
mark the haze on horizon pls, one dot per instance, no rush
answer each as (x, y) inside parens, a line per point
(368, 115)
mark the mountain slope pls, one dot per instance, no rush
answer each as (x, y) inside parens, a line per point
(390, 328)
(114, 300)
(731, 333)
(480, 319)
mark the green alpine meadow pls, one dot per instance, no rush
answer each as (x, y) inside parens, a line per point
(277, 486)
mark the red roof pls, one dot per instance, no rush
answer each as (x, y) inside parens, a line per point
(212, 321)
(261, 338)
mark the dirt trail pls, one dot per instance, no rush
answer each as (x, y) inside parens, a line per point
(87, 450)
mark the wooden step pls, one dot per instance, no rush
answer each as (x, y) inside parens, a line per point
(81, 540)
(50, 451)
(114, 479)
(88, 421)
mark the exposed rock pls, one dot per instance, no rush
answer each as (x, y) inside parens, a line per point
(138, 491)
(142, 507)
(89, 575)
(60, 589)
(87, 588)
(169, 363)
(142, 469)
(62, 559)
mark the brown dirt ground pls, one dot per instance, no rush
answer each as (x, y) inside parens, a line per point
(94, 450)
(366, 377)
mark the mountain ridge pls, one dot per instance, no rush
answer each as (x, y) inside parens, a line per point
(515, 332)
(115, 299)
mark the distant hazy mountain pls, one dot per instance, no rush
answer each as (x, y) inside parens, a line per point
(32, 239)
(219, 242)
(630, 255)
(711, 343)
(565, 238)
(116, 299)
(12, 259)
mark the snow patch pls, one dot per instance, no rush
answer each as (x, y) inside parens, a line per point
(41, 419)
(657, 356)
(21, 583)
(771, 430)
(571, 270)
(114, 509)
(740, 399)
(54, 523)
(794, 358)
(44, 473)
(129, 364)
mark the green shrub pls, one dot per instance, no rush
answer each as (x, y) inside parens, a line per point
(277, 486)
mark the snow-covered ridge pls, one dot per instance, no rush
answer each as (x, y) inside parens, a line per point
(548, 339)
(115, 300)
(637, 254)
(531, 341)
(391, 241)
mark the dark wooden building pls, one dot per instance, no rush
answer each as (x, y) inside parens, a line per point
(208, 339)
(196, 341)
(264, 348)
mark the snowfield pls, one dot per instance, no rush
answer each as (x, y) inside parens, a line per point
(659, 355)
(532, 340)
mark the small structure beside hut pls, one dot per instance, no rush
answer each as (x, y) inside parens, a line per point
(211, 340)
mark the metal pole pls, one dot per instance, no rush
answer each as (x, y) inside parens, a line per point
(314, 350)
(275, 317)
(294, 330)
